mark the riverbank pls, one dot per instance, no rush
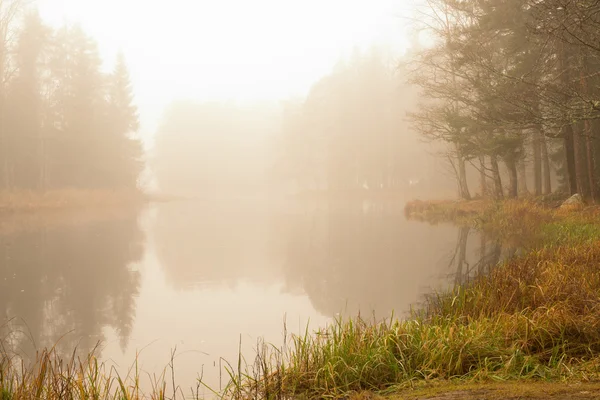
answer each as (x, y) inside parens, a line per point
(22, 201)
(28, 201)
(31, 210)
(534, 318)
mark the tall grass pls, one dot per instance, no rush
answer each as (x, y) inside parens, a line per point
(530, 223)
(538, 317)
(53, 377)
(535, 317)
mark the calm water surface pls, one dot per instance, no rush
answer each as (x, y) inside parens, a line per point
(196, 277)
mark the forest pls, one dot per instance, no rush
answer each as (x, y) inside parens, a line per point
(64, 121)
(507, 91)
(516, 83)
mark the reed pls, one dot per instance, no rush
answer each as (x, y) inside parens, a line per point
(54, 377)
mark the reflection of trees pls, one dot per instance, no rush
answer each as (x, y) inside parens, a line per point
(352, 257)
(356, 258)
(208, 242)
(489, 254)
(345, 255)
(75, 278)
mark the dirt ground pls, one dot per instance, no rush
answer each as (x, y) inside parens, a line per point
(495, 391)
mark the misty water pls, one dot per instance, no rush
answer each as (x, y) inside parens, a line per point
(196, 277)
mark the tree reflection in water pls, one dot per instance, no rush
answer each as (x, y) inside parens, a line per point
(64, 284)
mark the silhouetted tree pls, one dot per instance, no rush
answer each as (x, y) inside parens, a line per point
(349, 133)
(63, 122)
(23, 122)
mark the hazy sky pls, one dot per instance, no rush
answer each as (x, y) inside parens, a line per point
(228, 49)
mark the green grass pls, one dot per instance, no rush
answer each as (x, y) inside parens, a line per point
(569, 232)
(536, 318)
(53, 377)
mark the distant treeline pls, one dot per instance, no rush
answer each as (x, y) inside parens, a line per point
(214, 148)
(350, 132)
(63, 122)
(513, 83)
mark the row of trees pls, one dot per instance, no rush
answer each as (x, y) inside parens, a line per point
(350, 131)
(63, 121)
(513, 82)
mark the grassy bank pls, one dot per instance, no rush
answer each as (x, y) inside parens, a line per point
(54, 200)
(534, 319)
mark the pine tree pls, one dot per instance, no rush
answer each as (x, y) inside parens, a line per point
(77, 103)
(124, 151)
(23, 121)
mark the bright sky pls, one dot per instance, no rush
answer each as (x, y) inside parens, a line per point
(228, 49)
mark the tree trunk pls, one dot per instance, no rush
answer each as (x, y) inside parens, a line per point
(4, 139)
(482, 253)
(498, 190)
(3, 155)
(3, 133)
(567, 130)
(595, 137)
(512, 177)
(462, 179)
(590, 160)
(537, 162)
(495, 258)
(570, 158)
(523, 190)
(463, 236)
(482, 177)
(579, 162)
(587, 132)
(546, 165)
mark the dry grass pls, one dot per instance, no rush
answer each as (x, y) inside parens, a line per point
(536, 318)
(51, 377)
(32, 201)
(14, 223)
(435, 211)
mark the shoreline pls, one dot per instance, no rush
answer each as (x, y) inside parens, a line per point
(32, 201)
(25, 201)
(533, 318)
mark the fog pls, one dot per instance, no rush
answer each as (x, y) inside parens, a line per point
(228, 50)
(215, 149)
(350, 133)
(193, 173)
(204, 98)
